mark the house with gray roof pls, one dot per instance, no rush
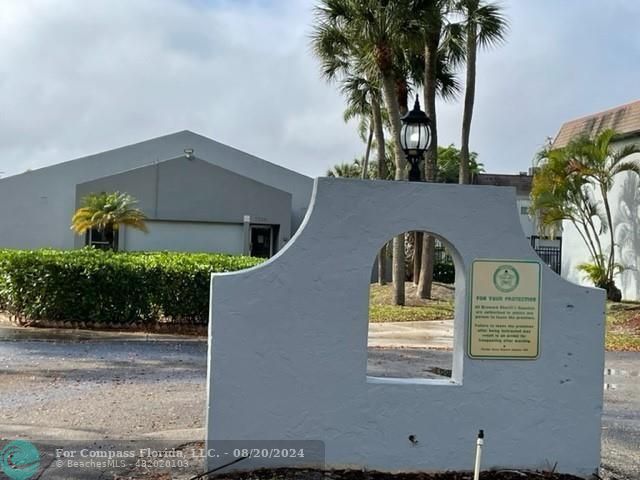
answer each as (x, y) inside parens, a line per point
(198, 195)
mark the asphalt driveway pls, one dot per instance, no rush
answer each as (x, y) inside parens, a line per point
(75, 386)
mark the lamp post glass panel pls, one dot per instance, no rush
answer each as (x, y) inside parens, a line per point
(415, 138)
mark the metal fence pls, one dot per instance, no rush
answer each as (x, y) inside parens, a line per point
(441, 255)
(551, 255)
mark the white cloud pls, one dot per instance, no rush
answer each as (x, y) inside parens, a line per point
(80, 77)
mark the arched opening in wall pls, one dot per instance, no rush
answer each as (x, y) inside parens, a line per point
(414, 340)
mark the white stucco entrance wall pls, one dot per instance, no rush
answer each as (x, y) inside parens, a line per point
(288, 344)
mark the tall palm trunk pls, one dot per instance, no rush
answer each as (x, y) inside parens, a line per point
(365, 163)
(469, 99)
(418, 238)
(378, 130)
(402, 92)
(425, 281)
(611, 287)
(391, 100)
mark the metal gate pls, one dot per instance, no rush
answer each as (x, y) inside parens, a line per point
(551, 255)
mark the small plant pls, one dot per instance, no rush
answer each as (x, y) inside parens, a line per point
(105, 212)
(597, 274)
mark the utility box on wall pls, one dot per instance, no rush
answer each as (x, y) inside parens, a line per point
(288, 341)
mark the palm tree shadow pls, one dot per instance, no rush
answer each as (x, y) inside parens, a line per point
(627, 234)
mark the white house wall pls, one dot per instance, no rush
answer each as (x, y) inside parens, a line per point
(186, 237)
(624, 199)
(525, 220)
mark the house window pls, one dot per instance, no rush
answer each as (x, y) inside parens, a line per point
(99, 239)
(524, 210)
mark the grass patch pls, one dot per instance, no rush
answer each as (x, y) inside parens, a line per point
(439, 307)
(394, 313)
(622, 312)
(623, 327)
(623, 319)
(622, 342)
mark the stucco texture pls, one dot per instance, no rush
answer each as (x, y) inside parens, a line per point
(288, 344)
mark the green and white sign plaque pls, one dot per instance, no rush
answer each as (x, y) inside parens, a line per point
(504, 309)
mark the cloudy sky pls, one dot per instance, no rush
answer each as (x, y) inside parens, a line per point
(78, 77)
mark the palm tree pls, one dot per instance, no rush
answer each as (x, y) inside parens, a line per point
(373, 35)
(106, 212)
(484, 26)
(442, 51)
(346, 170)
(565, 187)
(341, 59)
(361, 94)
(598, 162)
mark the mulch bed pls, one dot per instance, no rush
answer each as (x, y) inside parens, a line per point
(633, 323)
(306, 474)
(173, 328)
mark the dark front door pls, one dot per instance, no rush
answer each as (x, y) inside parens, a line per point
(261, 241)
(102, 239)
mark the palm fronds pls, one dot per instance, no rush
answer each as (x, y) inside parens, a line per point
(104, 211)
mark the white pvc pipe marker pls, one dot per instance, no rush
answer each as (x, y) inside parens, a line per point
(479, 444)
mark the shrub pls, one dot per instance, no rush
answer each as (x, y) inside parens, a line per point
(104, 287)
(444, 272)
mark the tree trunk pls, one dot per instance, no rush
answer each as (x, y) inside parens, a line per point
(382, 265)
(469, 99)
(418, 239)
(365, 163)
(379, 134)
(382, 175)
(431, 163)
(391, 100)
(426, 270)
(612, 261)
(417, 256)
(402, 92)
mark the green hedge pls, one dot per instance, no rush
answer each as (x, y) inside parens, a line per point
(444, 272)
(104, 287)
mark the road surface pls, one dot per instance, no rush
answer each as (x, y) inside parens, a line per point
(87, 386)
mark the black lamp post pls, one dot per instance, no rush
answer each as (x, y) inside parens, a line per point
(415, 137)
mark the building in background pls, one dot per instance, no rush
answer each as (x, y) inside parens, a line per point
(624, 198)
(198, 194)
(549, 249)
